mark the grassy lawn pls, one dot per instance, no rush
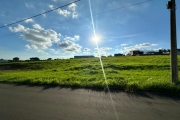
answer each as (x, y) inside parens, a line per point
(128, 72)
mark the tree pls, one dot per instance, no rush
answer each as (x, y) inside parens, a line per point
(49, 59)
(160, 51)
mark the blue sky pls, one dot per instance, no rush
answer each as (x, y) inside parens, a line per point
(68, 31)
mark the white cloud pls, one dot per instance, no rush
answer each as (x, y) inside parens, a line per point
(142, 46)
(29, 5)
(29, 20)
(102, 51)
(42, 52)
(37, 27)
(65, 13)
(28, 47)
(104, 48)
(75, 38)
(37, 36)
(71, 11)
(69, 46)
(72, 6)
(51, 6)
(44, 15)
(34, 47)
(122, 45)
(19, 28)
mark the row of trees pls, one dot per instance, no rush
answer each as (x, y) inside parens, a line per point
(164, 51)
(30, 59)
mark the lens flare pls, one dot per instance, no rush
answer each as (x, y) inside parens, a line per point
(101, 61)
(96, 39)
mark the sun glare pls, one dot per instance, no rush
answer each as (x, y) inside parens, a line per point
(96, 39)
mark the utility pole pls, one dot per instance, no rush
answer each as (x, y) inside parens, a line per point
(173, 52)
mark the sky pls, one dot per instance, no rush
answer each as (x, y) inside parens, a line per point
(68, 31)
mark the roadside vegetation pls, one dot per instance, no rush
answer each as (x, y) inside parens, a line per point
(129, 73)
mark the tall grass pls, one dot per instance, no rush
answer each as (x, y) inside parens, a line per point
(128, 72)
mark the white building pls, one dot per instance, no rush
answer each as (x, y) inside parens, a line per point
(178, 51)
(2, 61)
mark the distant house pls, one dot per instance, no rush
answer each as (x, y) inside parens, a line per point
(34, 59)
(2, 60)
(178, 51)
(153, 53)
(168, 51)
(118, 54)
(15, 59)
(135, 52)
(85, 56)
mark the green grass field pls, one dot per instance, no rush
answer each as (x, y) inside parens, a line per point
(130, 73)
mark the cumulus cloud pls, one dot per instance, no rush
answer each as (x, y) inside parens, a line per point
(29, 20)
(102, 51)
(69, 46)
(42, 52)
(37, 27)
(72, 8)
(28, 47)
(19, 28)
(71, 11)
(65, 13)
(37, 36)
(142, 46)
(34, 47)
(75, 38)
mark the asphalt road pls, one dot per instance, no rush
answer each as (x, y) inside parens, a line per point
(55, 103)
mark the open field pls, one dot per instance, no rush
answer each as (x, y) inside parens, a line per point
(128, 72)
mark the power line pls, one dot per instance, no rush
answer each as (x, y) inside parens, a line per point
(38, 14)
(7, 35)
(90, 16)
(125, 6)
(104, 12)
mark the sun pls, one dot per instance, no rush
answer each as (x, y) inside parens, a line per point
(96, 38)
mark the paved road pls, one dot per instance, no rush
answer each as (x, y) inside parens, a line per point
(55, 103)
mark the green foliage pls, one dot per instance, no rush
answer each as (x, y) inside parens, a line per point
(127, 72)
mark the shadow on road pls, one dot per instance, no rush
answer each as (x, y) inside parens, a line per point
(145, 94)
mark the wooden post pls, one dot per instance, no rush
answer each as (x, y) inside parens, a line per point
(173, 53)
